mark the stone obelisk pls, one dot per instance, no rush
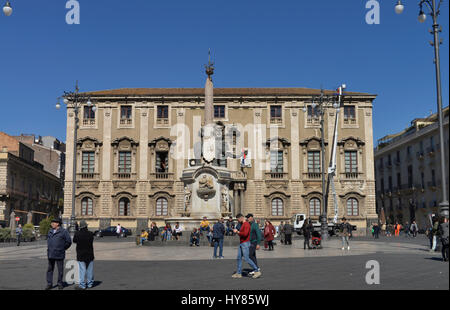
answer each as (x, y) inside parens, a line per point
(208, 142)
(209, 94)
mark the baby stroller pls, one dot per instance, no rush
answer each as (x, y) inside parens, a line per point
(316, 240)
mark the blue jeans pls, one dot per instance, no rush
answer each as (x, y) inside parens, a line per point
(88, 273)
(218, 243)
(244, 252)
(142, 240)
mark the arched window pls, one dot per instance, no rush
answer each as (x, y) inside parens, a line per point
(161, 207)
(277, 207)
(314, 207)
(87, 206)
(124, 207)
(352, 207)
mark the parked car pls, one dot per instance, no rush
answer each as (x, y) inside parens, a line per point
(111, 231)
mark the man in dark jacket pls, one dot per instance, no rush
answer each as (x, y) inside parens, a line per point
(255, 240)
(85, 255)
(58, 241)
(307, 230)
(218, 237)
(288, 229)
(443, 232)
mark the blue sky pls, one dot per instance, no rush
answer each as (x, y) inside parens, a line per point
(255, 43)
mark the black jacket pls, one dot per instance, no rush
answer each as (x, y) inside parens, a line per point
(85, 248)
(288, 229)
(58, 243)
(307, 229)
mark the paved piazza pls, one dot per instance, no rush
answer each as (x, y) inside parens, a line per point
(120, 264)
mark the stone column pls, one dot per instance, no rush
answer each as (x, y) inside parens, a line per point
(12, 223)
(209, 101)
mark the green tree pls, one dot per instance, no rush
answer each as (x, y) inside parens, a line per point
(45, 225)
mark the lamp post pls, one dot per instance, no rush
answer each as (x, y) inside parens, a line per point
(75, 101)
(319, 105)
(434, 13)
(7, 9)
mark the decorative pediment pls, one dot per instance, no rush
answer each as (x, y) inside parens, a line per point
(167, 194)
(312, 142)
(161, 142)
(351, 141)
(280, 142)
(124, 194)
(87, 194)
(352, 194)
(124, 141)
(88, 142)
(277, 194)
(312, 194)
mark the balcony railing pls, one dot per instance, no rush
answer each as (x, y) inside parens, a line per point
(312, 120)
(276, 120)
(89, 122)
(162, 176)
(420, 155)
(313, 175)
(123, 175)
(88, 175)
(349, 121)
(162, 121)
(351, 175)
(431, 151)
(126, 121)
(276, 175)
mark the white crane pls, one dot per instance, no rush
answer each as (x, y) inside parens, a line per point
(332, 166)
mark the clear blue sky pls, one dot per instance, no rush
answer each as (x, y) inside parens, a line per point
(255, 43)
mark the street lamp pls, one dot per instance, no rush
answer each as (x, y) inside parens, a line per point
(74, 100)
(320, 103)
(7, 9)
(399, 8)
(435, 11)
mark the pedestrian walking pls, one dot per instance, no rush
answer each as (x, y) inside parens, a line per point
(414, 229)
(84, 240)
(434, 233)
(244, 248)
(230, 226)
(154, 232)
(288, 230)
(269, 234)
(255, 240)
(398, 227)
(307, 230)
(218, 238)
(345, 230)
(58, 241)
(118, 230)
(407, 229)
(376, 231)
(443, 232)
(281, 232)
(19, 233)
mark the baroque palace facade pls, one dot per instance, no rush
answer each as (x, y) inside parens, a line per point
(130, 171)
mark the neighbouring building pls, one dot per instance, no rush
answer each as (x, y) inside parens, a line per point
(408, 171)
(129, 168)
(27, 191)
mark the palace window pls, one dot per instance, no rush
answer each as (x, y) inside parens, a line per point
(314, 207)
(162, 112)
(87, 206)
(126, 114)
(124, 207)
(351, 162)
(219, 111)
(88, 162)
(125, 162)
(410, 176)
(349, 115)
(89, 112)
(161, 207)
(314, 162)
(276, 161)
(276, 114)
(162, 162)
(313, 115)
(277, 207)
(352, 207)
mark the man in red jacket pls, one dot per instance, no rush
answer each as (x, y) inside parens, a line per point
(244, 248)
